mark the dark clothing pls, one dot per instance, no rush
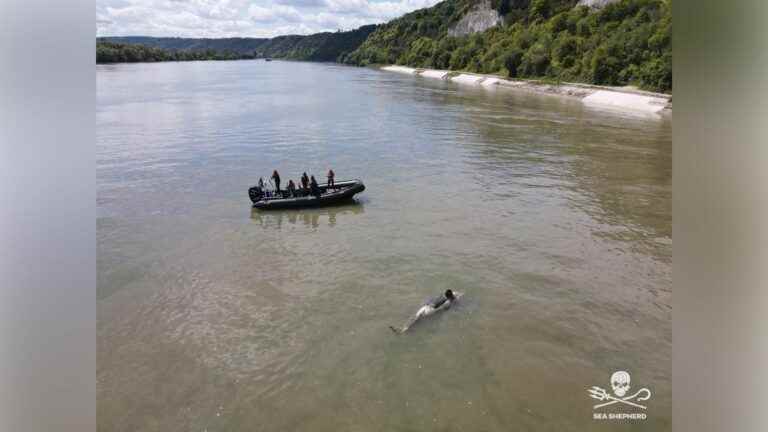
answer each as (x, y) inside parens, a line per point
(331, 176)
(305, 181)
(276, 178)
(256, 193)
(438, 301)
(315, 188)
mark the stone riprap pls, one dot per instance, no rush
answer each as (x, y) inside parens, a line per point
(439, 74)
(597, 4)
(632, 101)
(400, 69)
(599, 96)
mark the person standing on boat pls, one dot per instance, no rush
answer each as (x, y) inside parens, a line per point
(315, 188)
(305, 181)
(260, 186)
(276, 178)
(291, 188)
(331, 176)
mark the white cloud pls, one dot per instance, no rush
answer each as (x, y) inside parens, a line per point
(246, 18)
(275, 13)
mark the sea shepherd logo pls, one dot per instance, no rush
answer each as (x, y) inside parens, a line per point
(620, 381)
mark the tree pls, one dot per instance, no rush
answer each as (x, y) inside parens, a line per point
(512, 61)
(604, 67)
(540, 9)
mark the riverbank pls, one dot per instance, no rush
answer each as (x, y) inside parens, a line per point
(624, 98)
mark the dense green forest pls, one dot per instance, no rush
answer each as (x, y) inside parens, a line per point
(627, 42)
(236, 45)
(317, 47)
(111, 52)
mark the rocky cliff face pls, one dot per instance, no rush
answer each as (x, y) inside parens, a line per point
(595, 3)
(480, 18)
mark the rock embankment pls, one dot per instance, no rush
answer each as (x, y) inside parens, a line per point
(614, 97)
(480, 18)
(597, 4)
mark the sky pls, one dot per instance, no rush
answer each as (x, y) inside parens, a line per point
(243, 18)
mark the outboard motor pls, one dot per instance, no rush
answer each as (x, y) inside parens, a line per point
(255, 193)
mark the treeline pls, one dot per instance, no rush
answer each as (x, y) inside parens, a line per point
(111, 52)
(391, 41)
(326, 46)
(627, 42)
(330, 47)
(236, 45)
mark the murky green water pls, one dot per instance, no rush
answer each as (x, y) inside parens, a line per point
(554, 218)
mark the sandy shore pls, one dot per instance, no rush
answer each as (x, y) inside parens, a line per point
(616, 97)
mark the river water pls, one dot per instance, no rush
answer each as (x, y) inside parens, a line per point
(553, 218)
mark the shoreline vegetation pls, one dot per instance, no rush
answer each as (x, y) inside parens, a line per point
(623, 42)
(108, 52)
(561, 47)
(321, 47)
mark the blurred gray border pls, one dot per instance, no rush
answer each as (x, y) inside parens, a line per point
(47, 216)
(720, 215)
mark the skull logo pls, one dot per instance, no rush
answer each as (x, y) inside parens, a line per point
(620, 383)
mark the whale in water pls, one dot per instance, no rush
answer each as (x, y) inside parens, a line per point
(442, 302)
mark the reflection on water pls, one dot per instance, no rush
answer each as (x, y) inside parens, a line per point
(618, 171)
(273, 219)
(553, 217)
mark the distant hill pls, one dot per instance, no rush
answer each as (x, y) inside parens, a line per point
(316, 47)
(114, 52)
(236, 45)
(618, 42)
(326, 46)
(608, 42)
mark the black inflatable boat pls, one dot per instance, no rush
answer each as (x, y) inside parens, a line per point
(341, 191)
